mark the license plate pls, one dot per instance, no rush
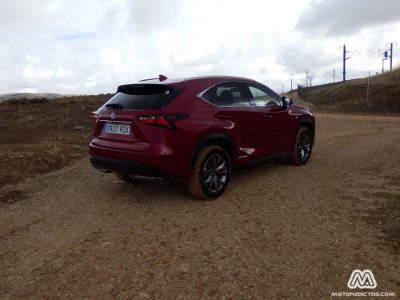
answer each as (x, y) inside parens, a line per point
(118, 128)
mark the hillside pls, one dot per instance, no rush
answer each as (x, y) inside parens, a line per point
(29, 96)
(40, 135)
(354, 96)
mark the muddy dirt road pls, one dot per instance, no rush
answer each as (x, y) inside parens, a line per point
(279, 231)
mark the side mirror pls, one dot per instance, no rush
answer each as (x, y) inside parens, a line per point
(286, 101)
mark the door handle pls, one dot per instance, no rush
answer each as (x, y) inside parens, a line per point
(223, 117)
(267, 116)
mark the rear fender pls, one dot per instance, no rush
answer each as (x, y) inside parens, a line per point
(218, 139)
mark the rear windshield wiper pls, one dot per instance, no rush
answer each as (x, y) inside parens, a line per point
(115, 105)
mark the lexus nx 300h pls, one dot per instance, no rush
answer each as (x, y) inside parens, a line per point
(197, 129)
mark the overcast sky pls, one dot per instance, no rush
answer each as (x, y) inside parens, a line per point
(85, 47)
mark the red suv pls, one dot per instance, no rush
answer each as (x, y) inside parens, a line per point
(197, 129)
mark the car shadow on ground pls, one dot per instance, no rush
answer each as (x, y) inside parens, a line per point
(176, 190)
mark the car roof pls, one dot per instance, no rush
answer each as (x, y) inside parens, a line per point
(219, 78)
(214, 78)
(192, 84)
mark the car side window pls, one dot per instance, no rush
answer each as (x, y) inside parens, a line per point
(209, 95)
(231, 95)
(261, 96)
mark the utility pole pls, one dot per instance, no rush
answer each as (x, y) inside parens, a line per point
(369, 76)
(307, 71)
(385, 56)
(383, 70)
(334, 75)
(344, 61)
(391, 55)
(282, 88)
(291, 85)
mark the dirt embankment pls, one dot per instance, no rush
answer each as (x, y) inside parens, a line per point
(38, 136)
(279, 231)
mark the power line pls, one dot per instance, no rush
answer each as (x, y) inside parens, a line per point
(363, 53)
(345, 57)
(353, 53)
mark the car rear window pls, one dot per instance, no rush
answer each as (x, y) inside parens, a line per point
(145, 96)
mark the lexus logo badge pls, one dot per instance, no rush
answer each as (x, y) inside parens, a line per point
(113, 115)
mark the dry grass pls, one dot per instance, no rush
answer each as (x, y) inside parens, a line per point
(351, 96)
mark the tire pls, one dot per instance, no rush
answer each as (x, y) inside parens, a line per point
(211, 173)
(302, 147)
(124, 177)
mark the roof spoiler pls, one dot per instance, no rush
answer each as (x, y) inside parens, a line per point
(160, 78)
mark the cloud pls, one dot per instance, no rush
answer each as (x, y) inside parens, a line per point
(148, 16)
(82, 47)
(346, 17)
(77, 36)
(296, 55)
(13, 12)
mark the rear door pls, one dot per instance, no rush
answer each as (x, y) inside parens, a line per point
(232, 102)
(118, 124)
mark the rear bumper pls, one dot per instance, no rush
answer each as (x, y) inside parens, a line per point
(155, 162)
(126, 167)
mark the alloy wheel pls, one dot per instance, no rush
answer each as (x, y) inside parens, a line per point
(304, 147)
(215, 173)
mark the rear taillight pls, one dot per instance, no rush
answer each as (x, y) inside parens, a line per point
(166, 120)
(94, 116)
(155, 120)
